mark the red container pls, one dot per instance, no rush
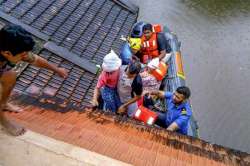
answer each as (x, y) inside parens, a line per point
(145, 115)
(160, 72)
(157, 28)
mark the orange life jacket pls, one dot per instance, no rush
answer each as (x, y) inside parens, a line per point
(150, 47)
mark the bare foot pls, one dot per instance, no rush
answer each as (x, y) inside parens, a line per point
(12, 127)
(12, 108)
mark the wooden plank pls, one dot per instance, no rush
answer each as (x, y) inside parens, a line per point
(71, 57)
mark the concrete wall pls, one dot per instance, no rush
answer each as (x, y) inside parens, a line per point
(33, 149)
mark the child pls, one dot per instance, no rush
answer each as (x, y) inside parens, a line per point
(107, 83)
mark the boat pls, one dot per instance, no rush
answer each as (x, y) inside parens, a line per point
(175, 76)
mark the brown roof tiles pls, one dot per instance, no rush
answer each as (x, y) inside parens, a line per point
(89, 29)
(127, 141)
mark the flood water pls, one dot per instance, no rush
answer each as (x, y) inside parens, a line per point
(215, 36)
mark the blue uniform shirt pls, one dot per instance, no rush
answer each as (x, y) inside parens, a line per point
(180, 114)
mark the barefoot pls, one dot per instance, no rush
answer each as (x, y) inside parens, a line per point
(12, 108)
(12, 127)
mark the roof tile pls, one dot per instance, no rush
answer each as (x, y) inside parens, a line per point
(102, 134)
(90, 28)
(162, 160)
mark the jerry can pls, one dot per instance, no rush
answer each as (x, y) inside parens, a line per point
(160, 72)
(157, 28)
(145, 115)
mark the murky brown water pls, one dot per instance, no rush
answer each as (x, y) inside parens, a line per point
(215, 38)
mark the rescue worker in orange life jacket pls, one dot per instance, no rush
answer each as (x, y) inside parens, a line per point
(153, 45)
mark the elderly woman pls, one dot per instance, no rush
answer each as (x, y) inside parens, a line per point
(107, 83)
(150, 83)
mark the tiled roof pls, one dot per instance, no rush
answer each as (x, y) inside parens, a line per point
(123, 139)
(76, 89)
(88, 29)
(85, 30)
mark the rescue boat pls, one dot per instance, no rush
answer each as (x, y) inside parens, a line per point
(171, 74)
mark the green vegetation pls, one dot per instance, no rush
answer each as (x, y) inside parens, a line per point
(220, 8)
